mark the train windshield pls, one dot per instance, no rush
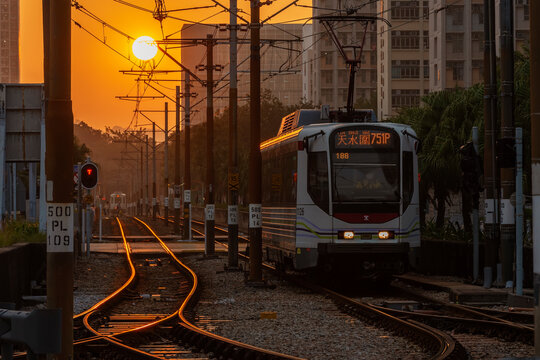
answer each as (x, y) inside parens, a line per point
(366, 181)
(365, 166)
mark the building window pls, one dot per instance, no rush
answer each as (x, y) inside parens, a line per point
(426, 69)
(405, 39)
(456, 41)
(478, 14)
(455, 13)
(405, 98)
(407, 10)
(405, 69)
(457, 68)
(436, 74)
(526, 12)
(328, 57)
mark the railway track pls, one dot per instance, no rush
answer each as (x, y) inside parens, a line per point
(154, 335)
(436, 342)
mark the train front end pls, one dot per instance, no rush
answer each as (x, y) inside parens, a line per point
(359, 212)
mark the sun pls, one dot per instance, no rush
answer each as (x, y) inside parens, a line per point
(144, 48)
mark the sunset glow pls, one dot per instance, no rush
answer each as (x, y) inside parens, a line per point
(144, 48)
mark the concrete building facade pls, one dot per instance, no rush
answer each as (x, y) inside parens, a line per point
(403, 56)
(281, 59)
(325, 71)
(9, 41)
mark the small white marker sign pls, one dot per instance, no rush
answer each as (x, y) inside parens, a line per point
(187, 196)
(177, 203)
(210, 210)
(233, 215)
(255, 216)
(59, 227)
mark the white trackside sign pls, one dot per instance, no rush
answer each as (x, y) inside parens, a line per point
(59, 227)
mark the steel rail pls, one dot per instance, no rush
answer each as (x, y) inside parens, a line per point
(444, 346)
(213, 341)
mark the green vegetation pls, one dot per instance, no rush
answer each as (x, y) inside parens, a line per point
(20, 231)
(444, 122)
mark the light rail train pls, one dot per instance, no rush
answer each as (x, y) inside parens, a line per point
(117, 204)
(340, 192)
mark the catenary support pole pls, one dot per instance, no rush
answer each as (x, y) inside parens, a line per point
(32, 182)
(535, 159)
(154, 200)
(476, 221)
(59, 168)
(166, 167)
(177, 166)
(491, 231)
(46, 18)
(508, 185)
(210, 207)
(234, 181)
(519, 211)
(147, 190)
(187, 159)
(254, 185)
(142, 181)
(3, 184)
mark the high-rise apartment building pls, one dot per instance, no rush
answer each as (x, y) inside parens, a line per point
(403, 57)
(457, 40)
(9, 41)
(281, 70)
(326, 75)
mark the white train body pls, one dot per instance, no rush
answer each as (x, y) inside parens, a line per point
(341, 194)
(118, 203)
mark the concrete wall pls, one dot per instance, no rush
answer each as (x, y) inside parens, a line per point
(19, 264)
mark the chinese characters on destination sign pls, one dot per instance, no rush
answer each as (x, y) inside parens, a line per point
(359, 138)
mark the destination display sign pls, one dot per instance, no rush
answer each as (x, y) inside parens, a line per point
(362, 138)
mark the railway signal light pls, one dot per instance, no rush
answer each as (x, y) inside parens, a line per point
(89, 175)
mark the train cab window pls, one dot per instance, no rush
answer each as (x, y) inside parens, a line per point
(408, 178)
(318, 178)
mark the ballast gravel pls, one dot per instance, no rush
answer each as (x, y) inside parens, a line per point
(306, 325)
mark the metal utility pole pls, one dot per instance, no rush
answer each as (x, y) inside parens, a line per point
(147, 194)
(519, 211)
(234, 182)
(476, 220)
(59, 168)
(535, 160)
(210, 207)
(508, 180)
(154, 200)
(166, 169)
(177, 166)
(491, 205)
(254, 186)
(142, 180)
(187, 160)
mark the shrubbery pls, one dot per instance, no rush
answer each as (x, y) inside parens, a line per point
(20, 231)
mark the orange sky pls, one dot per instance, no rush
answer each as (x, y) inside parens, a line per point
(96, 79)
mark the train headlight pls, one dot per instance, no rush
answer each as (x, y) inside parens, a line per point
(385, 235)
(346, 235)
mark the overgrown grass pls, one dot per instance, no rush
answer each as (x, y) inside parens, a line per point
(20, 231)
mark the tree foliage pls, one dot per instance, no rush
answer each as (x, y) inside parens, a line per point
(444, 122)
(272, 111)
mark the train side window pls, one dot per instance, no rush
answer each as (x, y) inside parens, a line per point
(318, 178)
(408, 178)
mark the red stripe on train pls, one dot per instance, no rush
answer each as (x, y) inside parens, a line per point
(372, 218)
